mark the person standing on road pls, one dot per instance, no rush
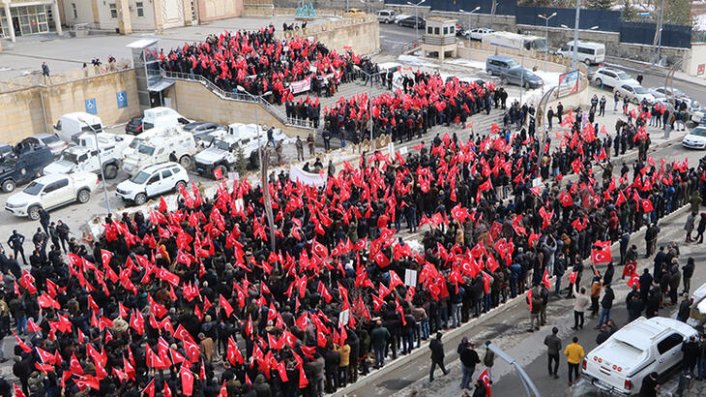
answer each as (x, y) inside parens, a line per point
(581, 302)
(595, 295)
(616, 100)
(601, 106)
(700, 229)
(634, 303)
(489, 361)
(534, 300)
(15, 242)
(469, 360)
(378, 338)
(62, 229)
(649, 387)
(553, 344)
(702, 359)
(684, 309)
(559, 111)
(300, 149)
(310, 142)
(437, 356)
(689, 226)
(44, 220)
(550, 117)
(574, 354)
(690, 348)
(606, 305)
(687, 271)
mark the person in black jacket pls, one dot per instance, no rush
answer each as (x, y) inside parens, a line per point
(606, 305)
(469, 360)
(16, 240)
(687, 271)
(691, 351)
(437, 356)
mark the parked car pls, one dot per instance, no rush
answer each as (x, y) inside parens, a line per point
(157, 148)
(477, 33)
(412, 22)
(619, 364)
(221, 155)
(91, 154)
(635, 92)
(608, 77)
(23, 164)
(400, 17)
(55, 144)
(5, 149)
(162, 116)
(152, 181)
(386, 16)
(521, 76)
(134, 126)
(695, 139)
(664, 92)
(52, 191)
(497, 64)
(70, 125)
(698, 115)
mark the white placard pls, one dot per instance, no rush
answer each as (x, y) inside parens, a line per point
(344, 317)
(234, 176)
(403, 150)
(410, 278)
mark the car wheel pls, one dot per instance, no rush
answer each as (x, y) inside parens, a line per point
(33, 213)
(179, 185)
(587, 62)
(599, 82)
(140, 199)
(83, 196)
(527, 85)
(503, 81)
(110, 171)
(8, 186)
(185, 161)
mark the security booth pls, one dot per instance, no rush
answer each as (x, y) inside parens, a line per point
(440, 38)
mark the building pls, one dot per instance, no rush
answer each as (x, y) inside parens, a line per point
(126, 16)
(26, 17)
(440, 38)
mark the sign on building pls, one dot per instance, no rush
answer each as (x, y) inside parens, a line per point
(568, 83)
(121, 98)
(91, 106)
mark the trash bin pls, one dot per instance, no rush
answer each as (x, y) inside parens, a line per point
(684, 383)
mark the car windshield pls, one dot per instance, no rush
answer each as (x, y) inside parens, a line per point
(623, 76)
(639, 89)
(70, 157)
(699, 131)
(512, 63)
(223, 145)
(529, 75)
(33, 188)
(50, 139)
(140, 178)
(135, 143)
(145, 149)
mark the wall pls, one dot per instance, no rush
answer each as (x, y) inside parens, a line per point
(34, 110)
(696, 57)
(481, 53)
(498, 22)
(212, 10)
(145, 22)
(193, 100)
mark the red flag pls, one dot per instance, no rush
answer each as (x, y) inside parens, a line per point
(187, 381)
(485, 379)
(22, 345)
(233, 354)
(572, 277)
(149, 390)
(647, 205)
(529, 298)
(601, 252)
(222, 302)
(634, 280)
(545, 280)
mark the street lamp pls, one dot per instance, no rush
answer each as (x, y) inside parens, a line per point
(574, 62)
(100, 164)
(546, 26)
(258, 99)
(416, 17)
(469, 13)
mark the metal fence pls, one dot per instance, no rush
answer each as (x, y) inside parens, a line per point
(503, 7)
(607, 21)
(239, 96)
(644, 33)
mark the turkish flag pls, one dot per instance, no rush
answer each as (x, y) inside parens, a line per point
(106, 256)
(572, 277)
(634, 280)
(647, 205)
(545, 280)
(222, 302)
(601, 253)
(233, 354)
(485, 379)
(192, 351)
(187, 381)
(381, 260)
(149, 390)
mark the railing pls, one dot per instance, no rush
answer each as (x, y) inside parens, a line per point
(237, 96)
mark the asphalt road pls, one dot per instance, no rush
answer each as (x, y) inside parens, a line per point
(394, 38)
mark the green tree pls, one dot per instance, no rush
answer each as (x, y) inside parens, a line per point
(629, 13)
(677, 12)
(241, 163)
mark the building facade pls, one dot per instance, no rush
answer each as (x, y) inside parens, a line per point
(126, 16)
(27, 17)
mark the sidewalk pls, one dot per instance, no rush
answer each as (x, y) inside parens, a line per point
(678, 75)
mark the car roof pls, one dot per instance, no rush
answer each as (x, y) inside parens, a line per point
(642, 332)
(47, 179)
(501, 58)
(160, 166)
(43, 135)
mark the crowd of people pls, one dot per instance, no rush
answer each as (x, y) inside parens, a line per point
(207, 299)
(260, 62)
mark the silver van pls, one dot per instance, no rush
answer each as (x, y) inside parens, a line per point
(497, 64)
(386, 16)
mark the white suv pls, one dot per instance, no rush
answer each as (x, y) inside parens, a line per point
(611, 78)
(152, 181)
(635, 93)
(52, 191)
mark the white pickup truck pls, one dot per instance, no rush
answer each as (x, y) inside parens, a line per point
(52, 191)
(90, 154)
(619, 364)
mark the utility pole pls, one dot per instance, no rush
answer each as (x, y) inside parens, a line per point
(574, 63)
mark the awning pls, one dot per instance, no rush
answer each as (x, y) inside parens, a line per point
(161, 85)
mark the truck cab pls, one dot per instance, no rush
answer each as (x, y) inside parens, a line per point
(92, 152)
(71, 125)
(221, 155)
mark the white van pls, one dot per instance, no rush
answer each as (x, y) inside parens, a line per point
(162, 117)
(70, 125)
(588, 52)
(515, 41)
(386, 16)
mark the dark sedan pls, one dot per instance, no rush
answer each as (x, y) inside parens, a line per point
(134, 126)
(412, 22)
(522, 77)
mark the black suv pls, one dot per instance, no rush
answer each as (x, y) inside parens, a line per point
(24, 163)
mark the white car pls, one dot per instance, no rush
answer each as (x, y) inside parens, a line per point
(611, 77)
(635, 93)
(400, 17)
(386, 16)
(52, 191)
(619, 364)
(477, 33)
(152, 181)
(695, 139)
(663, 92)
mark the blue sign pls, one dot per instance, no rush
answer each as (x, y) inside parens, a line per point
(121, 97)
(91, 106)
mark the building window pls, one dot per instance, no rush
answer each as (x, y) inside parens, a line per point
(140, 8)
(113, 11)
(73, 8)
